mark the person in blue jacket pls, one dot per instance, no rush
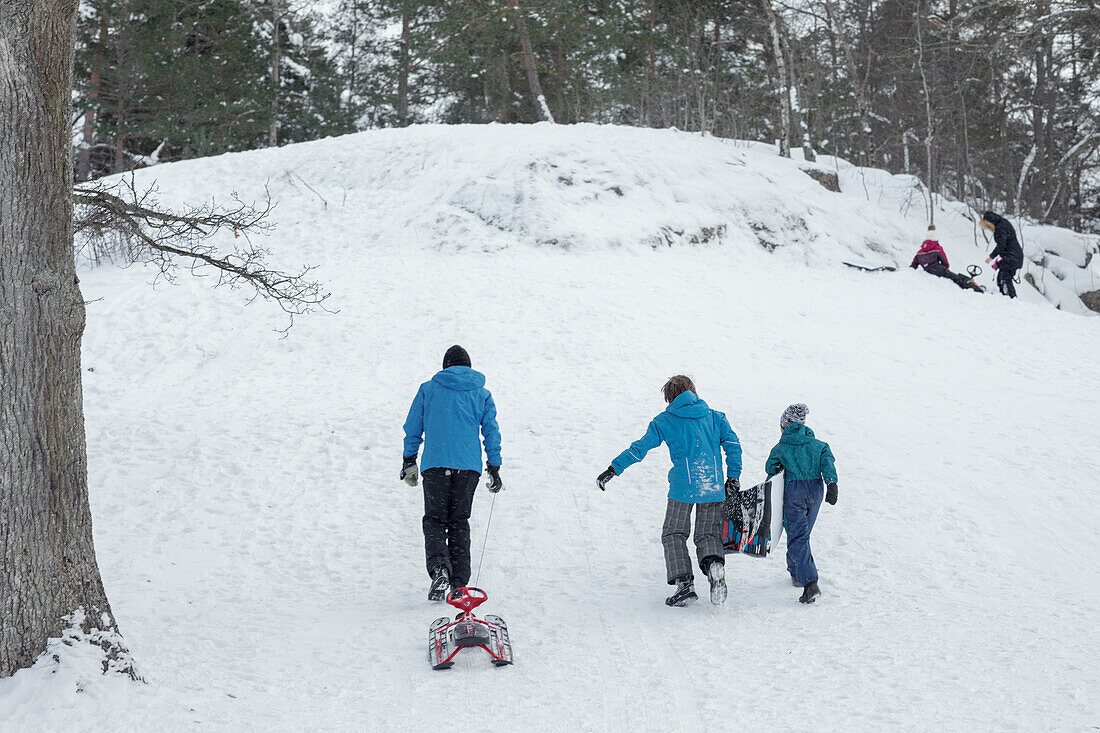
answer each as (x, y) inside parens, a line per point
(446, 415)
(805, 461)
(696, 436)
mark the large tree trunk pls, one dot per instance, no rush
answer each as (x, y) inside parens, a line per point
(47, 561)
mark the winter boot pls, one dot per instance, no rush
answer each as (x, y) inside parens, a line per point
(685, 591)
(810, 593)
(795, 583)
(716, 574)
(441, 584)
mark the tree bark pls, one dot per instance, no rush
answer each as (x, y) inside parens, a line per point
(403, 78)
(276, 73)
(84, 159)
(800, 112)
(650, 69)
(505, 91)
(784, 84)
(48, 567)
(930, 128)
(541, 107)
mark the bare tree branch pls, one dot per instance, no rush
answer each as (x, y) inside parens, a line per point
(116, 220)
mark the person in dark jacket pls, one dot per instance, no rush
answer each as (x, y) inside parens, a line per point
(446, 415)
(1007, 248)
(696, 437)
(805, 461)
(933, 260)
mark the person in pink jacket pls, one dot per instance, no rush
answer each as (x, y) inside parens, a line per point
(933, 260)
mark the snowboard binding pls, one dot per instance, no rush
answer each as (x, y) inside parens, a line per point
(447, 638)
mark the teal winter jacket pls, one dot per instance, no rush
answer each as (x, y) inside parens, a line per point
(696, 436)
(804, 457)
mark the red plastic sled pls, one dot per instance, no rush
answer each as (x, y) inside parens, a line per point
(447, 638)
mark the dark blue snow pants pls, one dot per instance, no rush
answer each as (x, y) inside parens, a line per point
(801, 502)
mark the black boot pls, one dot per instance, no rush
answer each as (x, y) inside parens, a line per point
(685, 591)
(810, 593)
(795, 583)
(441, 584)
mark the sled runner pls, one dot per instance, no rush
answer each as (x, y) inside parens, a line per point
(447, 638)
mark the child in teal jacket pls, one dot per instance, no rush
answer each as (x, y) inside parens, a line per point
(696, 437)
(805, 461)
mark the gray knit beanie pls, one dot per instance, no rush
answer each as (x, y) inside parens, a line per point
(794, 413)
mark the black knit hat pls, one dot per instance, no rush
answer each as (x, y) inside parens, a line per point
(991, 217)
(456, 356)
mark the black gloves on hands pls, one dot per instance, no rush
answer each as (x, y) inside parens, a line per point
(604, 477)
(494, 484)
(830, 492)
(732, 504)
(409, 474)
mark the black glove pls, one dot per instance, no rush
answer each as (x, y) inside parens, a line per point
(409, 473)
(604, 477)
(830, 492)
(494, 484)
(732, 505)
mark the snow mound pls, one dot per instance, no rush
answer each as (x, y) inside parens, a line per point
(581, 187)
(589, 187)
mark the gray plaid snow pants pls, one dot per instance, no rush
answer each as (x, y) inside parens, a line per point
(674, 536)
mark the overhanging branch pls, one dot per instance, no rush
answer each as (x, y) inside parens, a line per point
(118, 220)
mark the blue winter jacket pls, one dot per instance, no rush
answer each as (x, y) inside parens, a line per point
(448, 411)
(696, 436)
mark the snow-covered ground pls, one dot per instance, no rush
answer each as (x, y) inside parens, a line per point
(265, 563)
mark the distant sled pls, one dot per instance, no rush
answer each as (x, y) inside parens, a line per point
(754, 518)
(871, 268)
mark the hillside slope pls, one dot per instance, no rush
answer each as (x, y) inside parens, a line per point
(266, 565)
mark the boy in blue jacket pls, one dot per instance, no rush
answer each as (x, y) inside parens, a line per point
(805, 461)
(696, 436)
(448, 411)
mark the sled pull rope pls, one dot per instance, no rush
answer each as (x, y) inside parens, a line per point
(486, 540)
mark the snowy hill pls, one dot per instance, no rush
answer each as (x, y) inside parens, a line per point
(586, 187)
(266, 565)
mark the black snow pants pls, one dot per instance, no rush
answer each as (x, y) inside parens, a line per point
(959, 279)
(1006, 275)
(448, 500)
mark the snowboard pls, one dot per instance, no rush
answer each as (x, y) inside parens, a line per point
(870, 268)
(754, 518)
